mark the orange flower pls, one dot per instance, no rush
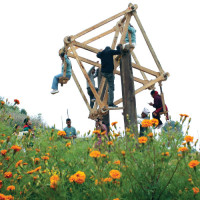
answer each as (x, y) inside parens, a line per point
(71, 178)
(179, 155)
(11, 187)
(96, 132)
(114, 123)
(61, 133)
(79, 177)
(3, 152)
(68, 144)
(16, 101)
(123, 153)
(117, 162)
(110, 142)
(193, 163)
(37, 169)
(2, 103)
(30, 172)
(183, 149)
(188, 138)
(36, 160)
(165, 154)
(154, 122)
(38, 150)
(107, 180)
(45, 158)
(150, 135)
(195, 190)
(1, 184)
(2, 141)
(103, 155)
(184, 115)
(146, 123)
(116, 134)
(16, 148)
(103, 133)
(142, 140)
(8, 174)
(95, 154)
(53, 181)
(18, 163)
(115, 174)
(7, 158)
(25, 163)
(116, 199)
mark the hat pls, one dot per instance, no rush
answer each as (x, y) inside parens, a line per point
(146, 111)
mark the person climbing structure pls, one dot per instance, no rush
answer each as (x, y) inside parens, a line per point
(63, 57)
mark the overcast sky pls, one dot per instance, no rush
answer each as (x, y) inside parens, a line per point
(32, 33)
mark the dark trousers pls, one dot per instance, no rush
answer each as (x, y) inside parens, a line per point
(157, 116)
(90, 93)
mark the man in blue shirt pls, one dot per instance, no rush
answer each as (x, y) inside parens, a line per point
(69, 130)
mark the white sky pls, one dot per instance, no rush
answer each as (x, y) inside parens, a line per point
(32, 32)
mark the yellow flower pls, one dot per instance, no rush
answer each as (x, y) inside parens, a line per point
(115, 174)
(61, 133)
(193, 163)
(11, 187)
(155, 122)
(142, 140)
(53, 181)
(95, 154)
(188, 138)
(79, 177)
(146, 123)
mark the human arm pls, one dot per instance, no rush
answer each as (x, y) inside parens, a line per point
(116, 52)
(96, 73)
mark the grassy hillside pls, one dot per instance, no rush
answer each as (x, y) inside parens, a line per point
(157, 166)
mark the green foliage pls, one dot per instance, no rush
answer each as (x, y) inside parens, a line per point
(150, 170)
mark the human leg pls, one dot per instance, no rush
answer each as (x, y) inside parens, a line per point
(55, 81)
(91, 95)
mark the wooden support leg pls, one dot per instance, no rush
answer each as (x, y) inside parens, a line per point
(128, 92)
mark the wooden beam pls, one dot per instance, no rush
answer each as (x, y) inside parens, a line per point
(102, 23)
(147, 85)
(125, 29)
(87, 77)
(85, 46)
(81, 91)
(148, 42)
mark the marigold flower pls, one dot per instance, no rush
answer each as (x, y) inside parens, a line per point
(36, 160)
(18, 163)
(71, 178)
(7, 158)
(115, 174)
(16, 148)
(80, 177)
(116, 199)
(9, 197)
(132, 135)
(3, 152)
(142, 140)
(68, 144)
(150, 135)
(154, 122)
(37, 169)
(195, 190)
(1, 184)
(53, 181)
(180, 155)
(110, 142)
(2, 103)
(103, 155)
(117, 162)
(193, 163)
(38, 150)
(10, 187)
(182, 149)
(61, 133)
(146, 123)
(2, 141)
(184, 115)
(189, 179)
(45, 158)
(8, 174)
(16, 101)
(165, 154)
(114, 123)
(188, 138)
(116, 134)
(96, 132)
(107, 180)
(95, 154)
(123, 153)
(25, 163)
(103, 133)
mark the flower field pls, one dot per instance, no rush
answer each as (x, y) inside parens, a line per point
(161, 165)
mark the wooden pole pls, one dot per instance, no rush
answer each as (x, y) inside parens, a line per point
(148, 42)
(128, 92)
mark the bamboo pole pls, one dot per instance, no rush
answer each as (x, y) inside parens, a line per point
(85, 46)
(148, 42)
(87, 77)
(80, 90)
(147, 85)
(102, 23)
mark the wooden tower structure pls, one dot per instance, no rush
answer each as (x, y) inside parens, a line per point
(71, 44)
